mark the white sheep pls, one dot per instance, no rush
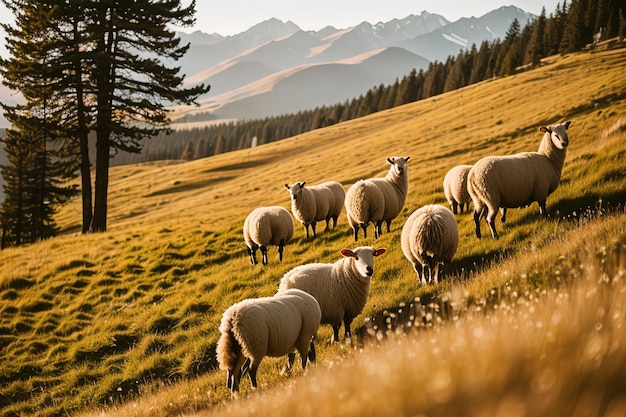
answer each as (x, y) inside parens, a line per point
(394, 187)
(518, 180)
(316, 203)
(455, 188)
(266, 226)
(341, 288)
(271, 326)
(429, 239)
(365, 203)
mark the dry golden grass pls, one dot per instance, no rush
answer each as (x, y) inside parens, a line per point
(131, 315)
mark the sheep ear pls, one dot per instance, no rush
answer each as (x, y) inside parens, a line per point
(407, 159)
(567, 124)
(347, 253)
(379, 251)
(391, 160)
(302, 183)
(545, 129)
(287, 186)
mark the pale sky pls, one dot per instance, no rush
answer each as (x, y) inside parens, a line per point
(235, 16)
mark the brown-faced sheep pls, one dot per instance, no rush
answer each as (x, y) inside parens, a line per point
(266, 226)
(518, 180)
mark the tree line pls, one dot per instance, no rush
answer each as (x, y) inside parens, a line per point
(83, 67)
(569, 28)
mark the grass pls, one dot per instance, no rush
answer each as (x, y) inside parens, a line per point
(125, 322)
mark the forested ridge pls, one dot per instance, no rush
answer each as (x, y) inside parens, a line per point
(571, 27)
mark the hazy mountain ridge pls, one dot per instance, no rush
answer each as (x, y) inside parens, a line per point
(272, 51)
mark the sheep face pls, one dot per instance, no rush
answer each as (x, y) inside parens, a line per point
(295, 189)
(558, 134)
(363, 259)
(398, 164)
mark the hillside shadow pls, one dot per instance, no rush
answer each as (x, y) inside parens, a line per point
(179, 186)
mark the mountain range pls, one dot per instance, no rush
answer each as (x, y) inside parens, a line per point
(277, 68)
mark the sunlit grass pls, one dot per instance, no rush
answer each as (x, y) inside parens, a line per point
(126, 322)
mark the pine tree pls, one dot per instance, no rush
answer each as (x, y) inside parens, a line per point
(535, 50)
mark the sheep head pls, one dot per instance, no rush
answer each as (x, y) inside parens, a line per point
(558, 134)
(295, 189)
(363, 259)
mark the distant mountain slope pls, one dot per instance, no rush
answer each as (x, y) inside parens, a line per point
(319, 84)
(272, 51)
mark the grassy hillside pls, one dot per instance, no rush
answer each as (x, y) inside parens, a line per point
(87, 321)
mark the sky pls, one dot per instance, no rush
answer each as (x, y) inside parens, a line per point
(235, 16)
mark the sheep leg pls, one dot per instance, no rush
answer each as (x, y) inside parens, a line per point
(336, 332)
(378, 229)
(306, 229)
(313, 226)
(254, 366)
(235, 373)
(388, 226)
(311, 355)
(503, 214)
(252, 253)
(291, 357)
(335, 221)
(436, 273)
(264, 253)
(491, 221)
(542, 208)
(347, 321)
(477, 216)
(455, 207)
(355, 228)
(281, 248)
(328, 223)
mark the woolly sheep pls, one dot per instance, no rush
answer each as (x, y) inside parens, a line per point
(455, 187)
(271, 326)
(429, 239)
(365, 205)
(341, 288)
(266, 226)
(316, 203)
(518, 180)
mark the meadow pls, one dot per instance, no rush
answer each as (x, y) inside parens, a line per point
(125, 322)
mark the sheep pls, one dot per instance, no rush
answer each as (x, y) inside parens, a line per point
(429, 239)
(316, 203)
(363, 205)
(341, 288)
(518, 180)
(266, 226)
(455, 187)
(270, 326)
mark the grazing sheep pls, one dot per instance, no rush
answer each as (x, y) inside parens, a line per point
(266, 226)
(341, 288)
(429, 239)
(271, 326)
(364, 204)
(518, 180)
(316, 203)
(455, 188)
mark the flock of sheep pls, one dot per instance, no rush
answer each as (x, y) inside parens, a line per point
(318, 293)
